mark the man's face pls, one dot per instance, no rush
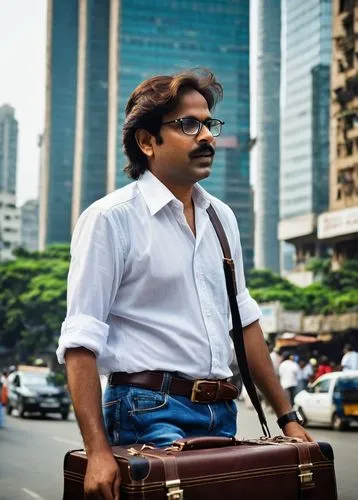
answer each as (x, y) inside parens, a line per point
(184, 159)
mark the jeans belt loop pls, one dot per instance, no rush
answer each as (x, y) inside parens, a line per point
(166, 381)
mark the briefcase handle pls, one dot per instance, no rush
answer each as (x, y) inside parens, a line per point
(202, 443)
(237, 332)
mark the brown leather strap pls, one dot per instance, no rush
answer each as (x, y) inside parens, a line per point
(199, 391)
(237, 331)
(305, 466)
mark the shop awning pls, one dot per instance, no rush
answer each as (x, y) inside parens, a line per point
(292, 340)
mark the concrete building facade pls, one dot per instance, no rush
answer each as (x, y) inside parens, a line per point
(30, 225)
(338, 226)
(9, 225)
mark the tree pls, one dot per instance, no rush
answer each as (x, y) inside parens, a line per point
(33, 298)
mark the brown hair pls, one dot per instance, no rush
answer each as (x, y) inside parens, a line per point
(153, 99)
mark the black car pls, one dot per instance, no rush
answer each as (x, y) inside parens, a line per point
(35, 392)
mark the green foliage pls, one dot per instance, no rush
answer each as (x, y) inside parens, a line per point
(33, 299)
(33, 295)
(336, 292)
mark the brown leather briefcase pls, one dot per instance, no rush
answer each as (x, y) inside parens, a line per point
(217, 468)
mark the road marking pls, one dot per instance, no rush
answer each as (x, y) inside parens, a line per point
(67, 441)
(32, 494)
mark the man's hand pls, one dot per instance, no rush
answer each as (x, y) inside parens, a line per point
(294, 429)
(103, 477)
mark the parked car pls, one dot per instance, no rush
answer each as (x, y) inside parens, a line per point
(33, 390)
(332, 399)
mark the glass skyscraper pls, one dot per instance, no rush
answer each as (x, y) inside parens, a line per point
(267, 98)
(305, 79)
(8, 149)
(73, 172)
(110, 47)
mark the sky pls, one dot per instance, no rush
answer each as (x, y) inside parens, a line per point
(22, 82)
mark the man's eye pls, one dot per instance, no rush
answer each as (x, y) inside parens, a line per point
(190, 122)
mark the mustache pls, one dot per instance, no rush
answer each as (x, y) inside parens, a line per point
(202, 149)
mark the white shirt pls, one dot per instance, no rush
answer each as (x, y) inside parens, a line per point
(350, 361)
(276, 360)
(144, 293)
(288, 372)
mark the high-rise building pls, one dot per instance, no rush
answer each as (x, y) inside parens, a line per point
(9, 225)
(268, 65)
(30, 225)
(75, 139)
(338, 227)
(8, 149)
(111, 46)
(304, 141)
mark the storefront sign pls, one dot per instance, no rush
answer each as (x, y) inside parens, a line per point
(340, 222)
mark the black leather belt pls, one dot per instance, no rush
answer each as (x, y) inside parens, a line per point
(199, 391)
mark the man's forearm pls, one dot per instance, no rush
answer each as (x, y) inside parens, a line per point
(85, 389)
(262, 369)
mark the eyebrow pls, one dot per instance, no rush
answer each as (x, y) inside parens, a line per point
(195, 118)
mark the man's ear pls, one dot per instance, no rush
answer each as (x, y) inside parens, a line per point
(145, 141)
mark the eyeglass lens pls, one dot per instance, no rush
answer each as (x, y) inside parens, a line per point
(191, 126)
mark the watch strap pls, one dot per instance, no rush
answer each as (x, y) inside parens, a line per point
(285, 419)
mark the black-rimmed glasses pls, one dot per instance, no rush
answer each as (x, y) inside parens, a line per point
(192, 126)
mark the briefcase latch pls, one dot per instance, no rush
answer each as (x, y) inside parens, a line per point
(306, 475)
(174, 490)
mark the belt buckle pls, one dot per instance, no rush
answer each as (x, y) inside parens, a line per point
(196, 389)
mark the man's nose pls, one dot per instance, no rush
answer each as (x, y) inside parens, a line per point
(205, 135)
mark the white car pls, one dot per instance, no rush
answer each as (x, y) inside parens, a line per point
(332, 399)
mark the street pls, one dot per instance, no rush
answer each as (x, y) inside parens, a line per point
(32, 451)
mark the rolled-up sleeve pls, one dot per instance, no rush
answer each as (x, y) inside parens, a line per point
(94, 276)
(248, 307)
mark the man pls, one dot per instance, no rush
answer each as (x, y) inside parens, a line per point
(147, 300)
(350, 358)
(276, 358)
(323, 367)
(289, 372)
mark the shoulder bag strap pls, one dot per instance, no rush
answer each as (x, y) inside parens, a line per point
(238, 336)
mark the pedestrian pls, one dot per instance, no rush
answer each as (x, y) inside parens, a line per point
(288, 372)
(305, 374)
(323, 367)
(3, 397)
(147, 301)
(350, 358)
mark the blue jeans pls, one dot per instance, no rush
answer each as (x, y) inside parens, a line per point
(137, 415)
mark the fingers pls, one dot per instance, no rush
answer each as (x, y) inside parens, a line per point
(103, 493)
(107, 492)
(309, 438)
(116, 486)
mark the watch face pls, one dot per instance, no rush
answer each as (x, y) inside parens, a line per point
(299, 417)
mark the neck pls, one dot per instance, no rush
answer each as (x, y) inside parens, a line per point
(182, 192)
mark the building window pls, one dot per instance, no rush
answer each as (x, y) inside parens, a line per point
(349, 148)
(350, 58)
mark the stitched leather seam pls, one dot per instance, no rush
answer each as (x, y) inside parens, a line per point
(78, 477)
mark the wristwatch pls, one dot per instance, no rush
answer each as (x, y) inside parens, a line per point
(292, 416)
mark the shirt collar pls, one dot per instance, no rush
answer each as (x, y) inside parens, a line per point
(157, 195)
